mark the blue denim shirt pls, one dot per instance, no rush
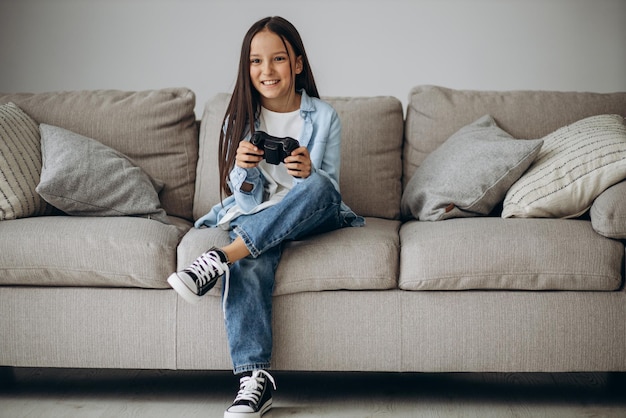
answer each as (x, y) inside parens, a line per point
(321, 134)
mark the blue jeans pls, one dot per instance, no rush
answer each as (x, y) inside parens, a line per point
(311, 207)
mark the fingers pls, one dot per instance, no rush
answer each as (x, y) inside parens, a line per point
(299, 163)
(248, 155)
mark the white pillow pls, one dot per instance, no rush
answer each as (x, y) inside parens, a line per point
(575, 164)
(20, 165)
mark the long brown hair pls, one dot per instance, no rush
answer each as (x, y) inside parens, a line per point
(245, 102)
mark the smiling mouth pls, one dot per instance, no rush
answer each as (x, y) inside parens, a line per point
(269, 82)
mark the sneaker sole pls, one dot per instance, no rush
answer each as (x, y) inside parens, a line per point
(266, 407)
(180, 288)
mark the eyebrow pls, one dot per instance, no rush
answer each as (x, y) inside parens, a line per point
(273, 53)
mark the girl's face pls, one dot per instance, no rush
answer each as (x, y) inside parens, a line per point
(273, 70)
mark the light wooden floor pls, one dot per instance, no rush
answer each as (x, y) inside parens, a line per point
(137, 393)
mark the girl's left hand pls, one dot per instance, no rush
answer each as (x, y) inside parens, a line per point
(299, 163)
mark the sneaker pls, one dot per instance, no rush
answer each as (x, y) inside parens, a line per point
(200, 277)
(254, 397)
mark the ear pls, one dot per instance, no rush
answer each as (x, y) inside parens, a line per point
(299, 65)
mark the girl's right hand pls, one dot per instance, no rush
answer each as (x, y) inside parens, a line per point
(248, 155)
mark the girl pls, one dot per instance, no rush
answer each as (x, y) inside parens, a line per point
(267, 204)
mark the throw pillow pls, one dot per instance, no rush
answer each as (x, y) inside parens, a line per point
(469, 174)
(20, 165)
(576, 164)
(84, 177)
(608, 212)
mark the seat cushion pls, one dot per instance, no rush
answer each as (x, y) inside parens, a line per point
(87, 251)
(495, 253)
(363, 258)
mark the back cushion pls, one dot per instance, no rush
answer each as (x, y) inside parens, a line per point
(435, 113)
(155, 128)
(371, 148)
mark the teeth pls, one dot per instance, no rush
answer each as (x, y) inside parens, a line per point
(269, 82)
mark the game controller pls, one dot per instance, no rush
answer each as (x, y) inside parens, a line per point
(276, 149)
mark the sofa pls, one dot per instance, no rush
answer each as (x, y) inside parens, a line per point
(83, 279)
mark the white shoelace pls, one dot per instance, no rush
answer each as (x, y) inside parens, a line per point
(250, 387)
(207, 265)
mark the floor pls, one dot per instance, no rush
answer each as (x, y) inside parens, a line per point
(141, 393)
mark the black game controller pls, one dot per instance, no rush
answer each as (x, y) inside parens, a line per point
(276, 149)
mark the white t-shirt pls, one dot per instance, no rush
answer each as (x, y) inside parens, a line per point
(278, 182)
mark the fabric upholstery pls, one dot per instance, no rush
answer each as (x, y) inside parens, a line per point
(20, 165)
(576, 163)
(87, 327)
(87, 251)
(155, 128)
(83, 177)
(504, 331)
(495, 253)
(434, 113)
(349, 258)
(469, 174)
(608, 212)
(399, 331)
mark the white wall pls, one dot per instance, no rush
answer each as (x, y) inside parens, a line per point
(357, 47)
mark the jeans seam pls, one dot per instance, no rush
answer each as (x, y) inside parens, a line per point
(251, 367)
(254, 251)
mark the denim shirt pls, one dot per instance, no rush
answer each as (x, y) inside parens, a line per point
(321, 135)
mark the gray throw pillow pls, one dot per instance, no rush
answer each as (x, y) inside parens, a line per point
(469, 174)
(84, 177)
(608, 212)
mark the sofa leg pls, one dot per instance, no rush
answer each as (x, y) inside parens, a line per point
(7, 377)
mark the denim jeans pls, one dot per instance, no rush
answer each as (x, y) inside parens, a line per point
(311, 207)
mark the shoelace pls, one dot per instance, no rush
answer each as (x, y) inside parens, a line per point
(211, 265)
(250, 387)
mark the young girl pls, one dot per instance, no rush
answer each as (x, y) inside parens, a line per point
(267, 204)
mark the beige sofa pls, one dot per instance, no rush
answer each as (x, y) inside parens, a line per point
(466, 294)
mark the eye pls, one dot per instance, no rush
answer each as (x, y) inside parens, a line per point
(255, 61)
(280, 58)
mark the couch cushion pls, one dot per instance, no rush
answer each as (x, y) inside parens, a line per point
(372, 135)
(576, 163)
(80, 251)
(84, 177)
(155, 128)
(350, 258)
(608, 212)
(469, 174)
(496, 253)
(434, 113)
(20, 164)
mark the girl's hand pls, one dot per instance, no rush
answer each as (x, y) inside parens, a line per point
(248, 155)
(299, 163)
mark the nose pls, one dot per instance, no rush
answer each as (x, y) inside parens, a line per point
(267, 67)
